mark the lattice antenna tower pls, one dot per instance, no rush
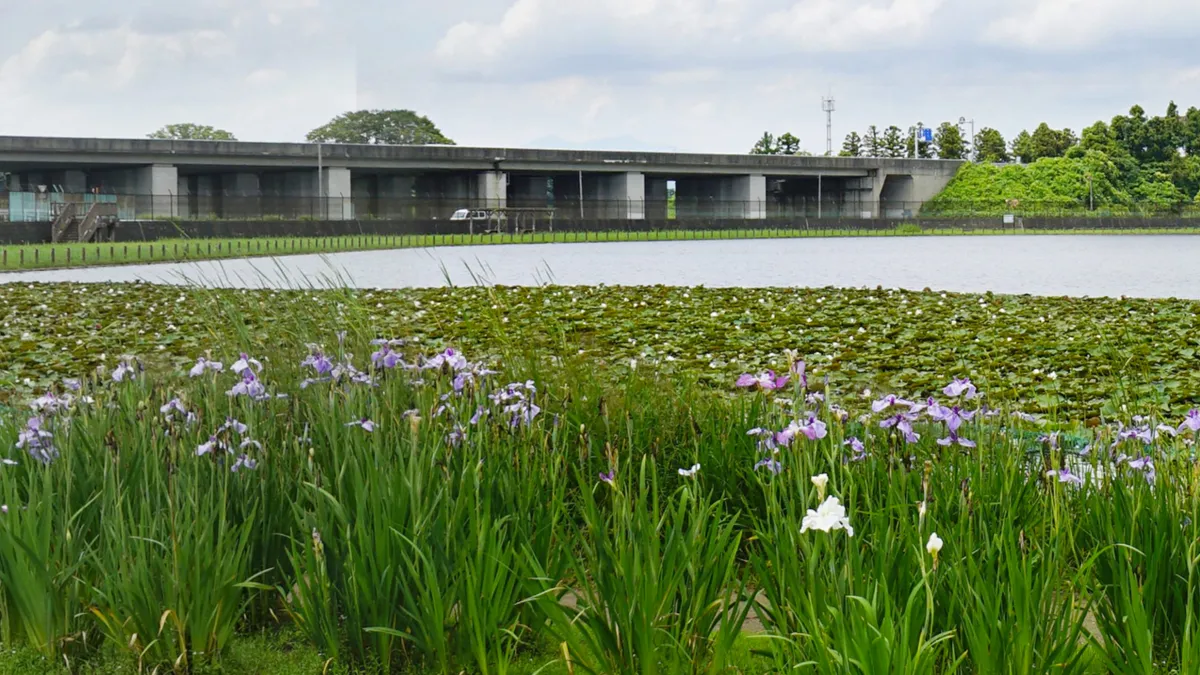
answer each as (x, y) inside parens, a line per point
(827, 106)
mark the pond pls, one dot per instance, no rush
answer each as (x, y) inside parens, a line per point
(1150, 266)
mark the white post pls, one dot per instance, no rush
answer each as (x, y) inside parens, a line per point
(818, 195)
(581, 194)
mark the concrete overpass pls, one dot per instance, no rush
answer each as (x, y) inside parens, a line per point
(213, 178)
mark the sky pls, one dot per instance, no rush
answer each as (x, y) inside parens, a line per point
(682, 75)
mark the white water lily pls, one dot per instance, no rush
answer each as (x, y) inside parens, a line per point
(830, 515)
(820, 480)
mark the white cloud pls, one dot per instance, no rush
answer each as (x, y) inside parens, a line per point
(1072, 25)
(853, 25)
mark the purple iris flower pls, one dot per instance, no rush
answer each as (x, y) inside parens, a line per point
(317, 361)
(50, 403)
(609, 477)
(244, 462)
(767, 381)
(365, 423)
(903, 423)
(244, 362)
(889, 401)
(1142, 434)
(1165, 429)
(1050, 440)
(1026, 417)
(798, 367)
(770, 463)
(814, 428)
(73, 384)
(385, 357)
(955, 438)
(1065, 476)
(249, 386)
(860, 450)
(213, 444)
(126, 368)
(1192, 421)
(461, 381)
(38, 442)
(479, 413)
(960, 387)
(449, 359)
(767, 439)
(203, 365)
(952, 416)
(841, 414)
(456, 436)
(917, 407)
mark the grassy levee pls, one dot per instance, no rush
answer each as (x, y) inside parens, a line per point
(14, 257)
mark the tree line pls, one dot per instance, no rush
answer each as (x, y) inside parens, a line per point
(376, 127)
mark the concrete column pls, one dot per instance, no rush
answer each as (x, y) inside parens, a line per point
(157, 187)
(493, 189)
(656, 198)
(631, 187)
(335, 188)
(745, 196)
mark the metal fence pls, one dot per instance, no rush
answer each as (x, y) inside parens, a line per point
(39, 207)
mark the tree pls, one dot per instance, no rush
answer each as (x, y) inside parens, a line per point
(852, 146)
(1021, 147)
(191, 132)
(380, 127)
(990, 146)
(765, 145)
(924, 148)
(787, 144)
(871, 143)
(949, 142)
(1191, 132)
(1047, 142)
(892, 144)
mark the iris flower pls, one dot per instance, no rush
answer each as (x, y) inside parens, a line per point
(961, 387)
(689, 473)
(767, 381)
(829, 516)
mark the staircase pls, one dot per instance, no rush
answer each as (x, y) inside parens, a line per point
(69, 228)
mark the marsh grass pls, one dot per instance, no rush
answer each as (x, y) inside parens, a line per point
(410, 548)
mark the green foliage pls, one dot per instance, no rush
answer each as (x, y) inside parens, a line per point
(990, 147)
(872, 142)
(785, 144)
(893, 143)
(852, 146)
(382, 127)
(1052, 185)
(949, 142)
(188, 131)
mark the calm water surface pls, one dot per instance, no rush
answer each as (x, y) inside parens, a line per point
(1152, 266)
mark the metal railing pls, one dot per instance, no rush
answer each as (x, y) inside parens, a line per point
(28, 207)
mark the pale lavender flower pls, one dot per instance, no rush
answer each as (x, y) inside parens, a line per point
(609, 477)
(1166, 430)
(767, 439)
(317, 360)
(1064, 476)
(860, 450)
(1141, 433)
(1050, 440)
(456, 436)
(214, 444)
(1026, 417)
(960, 387)
(814, 428)
(954, 438)
(797, 368)
(36, 441)
(126, 368)
(770, 463)
(449, 359)
(918, 407)
(479, 413)
(815, 398)
(49, 403)
(889, 401)
(245, 363)
(766, 381)
(462, 381)
(385, 357)
(952, 416)
(244, 462)
(248, 443)
(1191, 422)
(365, 423)
(903, 423)
(73, 384)
(841, 414)
(233, 425)
(203, 365)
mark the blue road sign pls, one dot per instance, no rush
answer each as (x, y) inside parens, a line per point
(927, 135)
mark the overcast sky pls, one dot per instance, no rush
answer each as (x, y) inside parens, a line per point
(690, 75)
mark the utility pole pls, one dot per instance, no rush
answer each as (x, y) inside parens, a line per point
(916, 140)
(827, 106)
(971, 140)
